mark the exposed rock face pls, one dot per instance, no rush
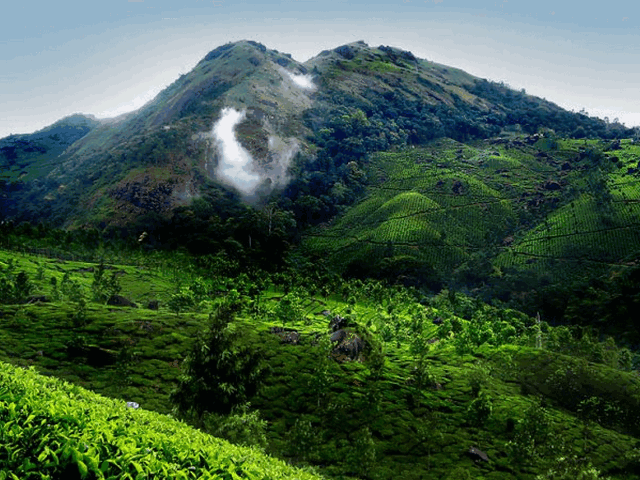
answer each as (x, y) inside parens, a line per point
(147, 194)
(287, 335)
(345, 51)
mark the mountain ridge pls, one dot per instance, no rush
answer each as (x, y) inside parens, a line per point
(166, 153)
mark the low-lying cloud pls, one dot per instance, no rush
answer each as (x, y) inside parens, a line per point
(235, 167)
(303, 81)
(238, 169)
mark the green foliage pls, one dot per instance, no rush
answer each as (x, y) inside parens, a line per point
(478, 378)
(133, 354)
(181, 301)
(480, 409)
(219, 373)
(54, 430)
(321, 378)
(422, 375)
(289, 309)
(242, 426)
(104, 286)
(361, 455)
(14, 288)
(532, 434)
(304, 440)
(571, 468)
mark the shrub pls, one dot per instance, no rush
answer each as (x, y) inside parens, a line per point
(181, 301)
(304, 439)
(241, 427)
(103, 286)
(479, 410)
(532, 433)
(14, 289)
(361, 456)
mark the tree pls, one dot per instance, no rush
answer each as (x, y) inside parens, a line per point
(103, 286)
(14, 289)
(289, 309)
(219, 373)
(181, 301)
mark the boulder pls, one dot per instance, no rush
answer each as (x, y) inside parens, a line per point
(37, 299)
(438, 321)
(349, 345)
(337, 323)
(120, 301)
(457, 187)
(287, 335)
(552, 185)
(477, 455)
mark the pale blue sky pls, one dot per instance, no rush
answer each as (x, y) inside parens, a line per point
(59, 58)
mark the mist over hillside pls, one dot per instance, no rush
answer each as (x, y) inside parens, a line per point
(159, 157)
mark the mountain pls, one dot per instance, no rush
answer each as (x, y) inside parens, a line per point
(29, 159)
(290, 115)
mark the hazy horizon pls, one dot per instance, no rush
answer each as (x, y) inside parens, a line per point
(106, 60)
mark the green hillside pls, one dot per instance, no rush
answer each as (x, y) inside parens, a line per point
(157, 160)
(52, 429)
(432, 380)
(459, 214)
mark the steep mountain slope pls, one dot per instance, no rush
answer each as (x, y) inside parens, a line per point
(28, 159)
(157, 157)
(312, 117)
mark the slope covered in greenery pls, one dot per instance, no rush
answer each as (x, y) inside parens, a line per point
(427, 294)
(52, 429)
(433, 380)
(507, 215)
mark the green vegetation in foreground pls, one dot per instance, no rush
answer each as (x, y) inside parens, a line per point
(52, 429)
(434, 379)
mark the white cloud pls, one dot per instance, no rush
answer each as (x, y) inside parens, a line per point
(303, 81)
(236, 165)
